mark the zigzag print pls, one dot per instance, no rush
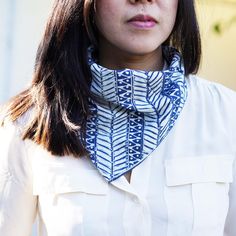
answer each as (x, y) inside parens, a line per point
(139, 109)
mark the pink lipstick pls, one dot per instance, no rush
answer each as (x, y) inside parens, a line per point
(142, 21)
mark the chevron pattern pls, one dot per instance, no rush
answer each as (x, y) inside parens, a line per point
(137, 111)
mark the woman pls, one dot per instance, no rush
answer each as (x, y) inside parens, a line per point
(116, 136)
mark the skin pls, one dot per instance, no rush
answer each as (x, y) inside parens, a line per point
(123, 45)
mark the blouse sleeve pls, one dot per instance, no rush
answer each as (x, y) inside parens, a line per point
(17, 203)
(230, 225)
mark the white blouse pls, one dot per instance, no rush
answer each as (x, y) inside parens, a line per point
(186, 187)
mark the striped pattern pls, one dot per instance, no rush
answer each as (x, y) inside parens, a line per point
(138, 110)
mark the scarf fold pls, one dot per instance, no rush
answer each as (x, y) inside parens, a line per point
(137, 111)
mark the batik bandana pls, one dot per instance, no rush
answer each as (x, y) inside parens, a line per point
(136, 111)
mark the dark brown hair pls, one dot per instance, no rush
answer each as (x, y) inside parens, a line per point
(59, 93)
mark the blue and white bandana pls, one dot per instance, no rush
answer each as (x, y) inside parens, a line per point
(138, 110)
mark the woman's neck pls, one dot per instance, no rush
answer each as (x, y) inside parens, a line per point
(113, 58)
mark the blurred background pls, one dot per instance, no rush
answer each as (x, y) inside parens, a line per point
(22, 23)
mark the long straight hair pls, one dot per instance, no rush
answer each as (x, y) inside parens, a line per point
(58, 97)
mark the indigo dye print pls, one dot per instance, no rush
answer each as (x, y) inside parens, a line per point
(137, 111)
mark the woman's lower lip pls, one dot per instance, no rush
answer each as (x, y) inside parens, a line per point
(143, 24)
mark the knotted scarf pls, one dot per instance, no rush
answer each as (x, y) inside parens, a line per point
(138, 110)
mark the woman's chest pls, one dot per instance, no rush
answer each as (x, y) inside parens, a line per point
(182, 188)
(176, 196)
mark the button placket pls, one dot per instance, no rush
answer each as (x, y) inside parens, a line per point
(133, 216)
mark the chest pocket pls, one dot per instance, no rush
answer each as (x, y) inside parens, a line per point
(60, 179)
(69, 193)
(196, 194)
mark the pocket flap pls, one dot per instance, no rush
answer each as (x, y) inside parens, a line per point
(199, 169)
(58, 179)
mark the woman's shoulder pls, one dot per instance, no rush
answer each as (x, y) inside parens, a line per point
(211, 91)
(19, 124)
(11, 130)
(213, 100)
(12, 143)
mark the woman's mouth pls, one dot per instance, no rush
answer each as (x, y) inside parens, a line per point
(142, 21)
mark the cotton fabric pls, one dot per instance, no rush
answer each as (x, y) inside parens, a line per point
(136, 111)
(186, 187)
